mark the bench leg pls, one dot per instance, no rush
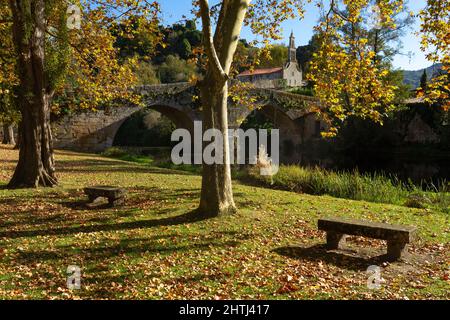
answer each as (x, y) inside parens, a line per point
(116, 202)
(396, 250)
(335, 240)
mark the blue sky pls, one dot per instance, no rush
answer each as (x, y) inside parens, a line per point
(174, 10)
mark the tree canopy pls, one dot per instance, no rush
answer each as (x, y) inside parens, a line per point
(435, 30)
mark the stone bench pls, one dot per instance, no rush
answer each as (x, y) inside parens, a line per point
(397, 236)
(115, 195)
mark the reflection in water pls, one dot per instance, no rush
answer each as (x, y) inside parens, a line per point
(414, 169)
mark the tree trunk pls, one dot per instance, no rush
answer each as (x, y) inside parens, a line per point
(36, 163)
(8, 134)
(217, 192)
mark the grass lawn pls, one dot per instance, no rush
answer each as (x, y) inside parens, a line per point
(154, 247)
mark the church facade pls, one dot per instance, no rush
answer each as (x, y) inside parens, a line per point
(289, 75)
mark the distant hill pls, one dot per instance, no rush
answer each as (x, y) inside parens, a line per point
(412, 78)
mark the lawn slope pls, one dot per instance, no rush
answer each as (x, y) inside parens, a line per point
(155, 247)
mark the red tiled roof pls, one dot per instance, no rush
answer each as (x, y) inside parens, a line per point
(260, 71)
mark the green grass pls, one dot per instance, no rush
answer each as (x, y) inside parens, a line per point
(316, 181)
(356, 186)
(155, 247)
(161, 162)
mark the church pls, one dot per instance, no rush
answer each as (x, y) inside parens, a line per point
(289, 75)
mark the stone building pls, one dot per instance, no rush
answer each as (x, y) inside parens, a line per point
(289, 75)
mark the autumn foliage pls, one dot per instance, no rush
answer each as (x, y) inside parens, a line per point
(96, 75)
(435, 29)
(347, 77)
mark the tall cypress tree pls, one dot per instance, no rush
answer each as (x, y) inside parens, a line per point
(424, 80)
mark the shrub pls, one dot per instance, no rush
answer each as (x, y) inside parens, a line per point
(349, 185)
(303, 91)
(417, 200)
(115, 152)
(146, 73)
(175, 69)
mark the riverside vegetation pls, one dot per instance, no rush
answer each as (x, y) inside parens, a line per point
(379, 188)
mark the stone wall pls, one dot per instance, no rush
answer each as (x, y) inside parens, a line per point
(269, 83)
(90, 131)
(289, 76)
(418, 131)
(261, 78)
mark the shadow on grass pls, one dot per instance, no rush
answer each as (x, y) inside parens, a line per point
(16, 213)
(134, 247)
(32, 220)
(319, 253)
(83, 205)
(135, 197)
(112, 165)
(99, 261)
(190, 217)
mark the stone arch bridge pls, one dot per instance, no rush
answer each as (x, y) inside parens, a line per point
(94, 131)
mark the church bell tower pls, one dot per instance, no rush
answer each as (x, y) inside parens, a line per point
(292, 55)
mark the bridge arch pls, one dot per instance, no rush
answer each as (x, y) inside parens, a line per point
(146, 137)
(290, 129)
(94, 131)
(181, 116)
